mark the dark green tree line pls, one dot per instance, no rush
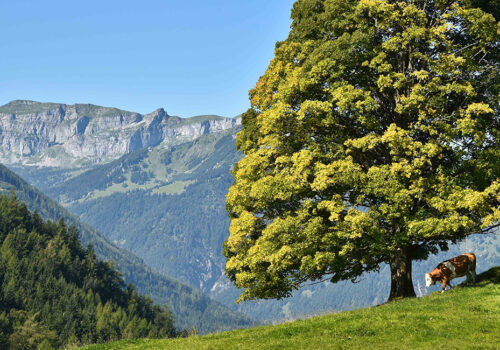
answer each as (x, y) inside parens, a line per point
(54, 292)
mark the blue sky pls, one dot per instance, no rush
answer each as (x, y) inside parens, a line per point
(191, 57)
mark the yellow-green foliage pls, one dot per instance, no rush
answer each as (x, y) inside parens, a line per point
(463, 318)
(372, 137)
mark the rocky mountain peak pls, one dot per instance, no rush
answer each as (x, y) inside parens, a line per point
(160, 112)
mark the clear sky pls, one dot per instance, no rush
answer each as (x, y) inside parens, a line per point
(190, 57)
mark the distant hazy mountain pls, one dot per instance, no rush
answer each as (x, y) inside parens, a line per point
(167, 204)
(191, 307)
(53, 134)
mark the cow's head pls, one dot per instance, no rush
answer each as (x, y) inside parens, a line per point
(429, 279)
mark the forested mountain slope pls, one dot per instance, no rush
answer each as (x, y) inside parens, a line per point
(190, 307)
(54, 292)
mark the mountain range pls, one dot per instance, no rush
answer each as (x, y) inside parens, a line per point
(53, 134)
(163, 198)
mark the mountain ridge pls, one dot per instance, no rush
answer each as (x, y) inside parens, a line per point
(56, 134)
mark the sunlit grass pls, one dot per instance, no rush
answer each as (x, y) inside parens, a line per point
(462, 318)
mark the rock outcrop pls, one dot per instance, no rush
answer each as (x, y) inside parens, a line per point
(51, 134)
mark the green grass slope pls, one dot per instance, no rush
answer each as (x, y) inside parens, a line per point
(462, 318)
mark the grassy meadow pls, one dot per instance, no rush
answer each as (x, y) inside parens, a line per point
(462, 318)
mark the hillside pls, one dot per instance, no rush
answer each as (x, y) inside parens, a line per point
(190, 307)
(463, 318)
(55, 292)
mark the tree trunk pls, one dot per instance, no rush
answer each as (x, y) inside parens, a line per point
(401, 282)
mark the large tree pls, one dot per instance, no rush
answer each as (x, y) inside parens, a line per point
(372, 138)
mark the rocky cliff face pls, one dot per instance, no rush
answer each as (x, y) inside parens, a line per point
(50, 134)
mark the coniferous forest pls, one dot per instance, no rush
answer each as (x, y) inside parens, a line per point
(55, 292)
(191, 308)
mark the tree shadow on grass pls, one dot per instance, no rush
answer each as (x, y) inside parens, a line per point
(487, 278)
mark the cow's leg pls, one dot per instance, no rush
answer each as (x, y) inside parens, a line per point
(468, 277)
(445, 282)
(473, 268)
(471, 277)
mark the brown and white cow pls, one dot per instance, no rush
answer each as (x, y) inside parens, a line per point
(458, 266)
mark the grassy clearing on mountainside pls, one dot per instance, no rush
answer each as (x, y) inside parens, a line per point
(462, 318)
(177, 187)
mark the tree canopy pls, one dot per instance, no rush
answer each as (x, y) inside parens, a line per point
(372, 138)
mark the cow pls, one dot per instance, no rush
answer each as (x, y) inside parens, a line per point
(458, 266)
